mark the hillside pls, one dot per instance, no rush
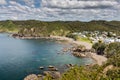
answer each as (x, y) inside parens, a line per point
(41, 28)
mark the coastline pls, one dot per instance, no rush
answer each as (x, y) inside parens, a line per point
(59, 38)
(98, 59)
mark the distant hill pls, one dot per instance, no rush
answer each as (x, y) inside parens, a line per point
(34, 27)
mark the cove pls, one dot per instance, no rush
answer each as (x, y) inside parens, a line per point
(19, 58)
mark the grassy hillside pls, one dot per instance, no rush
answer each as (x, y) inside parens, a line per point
(33, 27)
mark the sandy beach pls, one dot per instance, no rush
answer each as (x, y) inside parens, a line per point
(98, 58)
(70, 40)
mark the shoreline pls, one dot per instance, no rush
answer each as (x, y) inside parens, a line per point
(98, 59)
(59, 38)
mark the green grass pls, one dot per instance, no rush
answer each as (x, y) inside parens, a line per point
(84, 39)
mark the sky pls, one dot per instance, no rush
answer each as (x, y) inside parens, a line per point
(64, 10)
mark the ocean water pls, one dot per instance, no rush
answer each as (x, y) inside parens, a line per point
(19, 58)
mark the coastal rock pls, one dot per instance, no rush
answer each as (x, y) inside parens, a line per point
(53, 69)
(31, 77)
(41, 67)
(53, 74)
(69, 65)
(65, 49)
(50, 66)
(40, 77)
(77, 54)
(17, 35)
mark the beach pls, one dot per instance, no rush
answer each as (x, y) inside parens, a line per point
(98, 58)
(60, 38)
(70, 40)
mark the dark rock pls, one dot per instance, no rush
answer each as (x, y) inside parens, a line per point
(69, 65)
(53, 69)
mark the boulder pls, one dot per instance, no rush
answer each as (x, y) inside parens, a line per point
(69, 65)
(53, 74)
(50, 66)
(31, 77)
(39, 75)
(53, 69)
(77, 54)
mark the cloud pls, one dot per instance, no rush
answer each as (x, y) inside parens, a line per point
(3, 2)
(30, 3)
(83, 10)
(79, 4)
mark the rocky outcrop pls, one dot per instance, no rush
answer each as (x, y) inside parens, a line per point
(53, 74)
(69, 65)
(77, 54)
(52, 68)
(81, 51)
(31, 77)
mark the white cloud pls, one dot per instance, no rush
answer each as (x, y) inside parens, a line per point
(78, 4)
(30, 3)
(62, 10)
(2, 2)
(81, 9)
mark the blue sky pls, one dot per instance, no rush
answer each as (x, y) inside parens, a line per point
(66, 10)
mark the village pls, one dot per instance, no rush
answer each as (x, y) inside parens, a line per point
(96, 36)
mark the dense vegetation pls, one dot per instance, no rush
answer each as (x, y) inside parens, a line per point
(39, 28)
(100, 48)
(112, 51)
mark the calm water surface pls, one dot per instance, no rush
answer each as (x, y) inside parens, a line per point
(19, 58)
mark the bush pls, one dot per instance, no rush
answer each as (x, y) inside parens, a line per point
(99, 47)
(112, 49)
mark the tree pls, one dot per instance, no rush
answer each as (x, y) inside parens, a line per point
(99, 47)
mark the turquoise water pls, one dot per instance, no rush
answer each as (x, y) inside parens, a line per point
(19, 58)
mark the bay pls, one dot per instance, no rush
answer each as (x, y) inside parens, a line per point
(19, 58)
